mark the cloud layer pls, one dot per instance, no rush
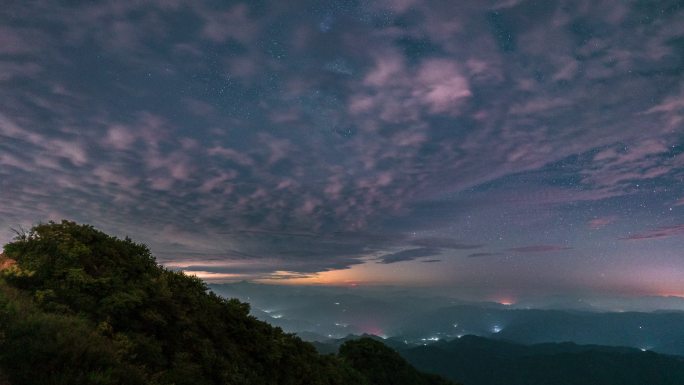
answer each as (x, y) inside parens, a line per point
(318, 136)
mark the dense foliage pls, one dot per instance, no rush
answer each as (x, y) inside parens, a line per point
(82, 307)
(382, 365)
(480, 361)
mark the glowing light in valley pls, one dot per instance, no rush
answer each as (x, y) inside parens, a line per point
(372, 330)
(504, 300)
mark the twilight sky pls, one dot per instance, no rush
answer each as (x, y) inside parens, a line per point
(497, 148)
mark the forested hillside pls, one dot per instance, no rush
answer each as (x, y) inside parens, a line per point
(484, 361)
(481, 361)
(82, 307)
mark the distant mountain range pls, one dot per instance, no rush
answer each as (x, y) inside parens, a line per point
(481, 361)
(657, 331)
(321, 313)
(80, 307)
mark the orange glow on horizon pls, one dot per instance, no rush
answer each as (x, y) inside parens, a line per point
(344, 277)
(208, 275)
(368, 273)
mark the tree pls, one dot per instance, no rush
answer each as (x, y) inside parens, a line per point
(83, 307)
(382, 365)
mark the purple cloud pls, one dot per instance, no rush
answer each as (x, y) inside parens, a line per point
(485, 254)
(539, 249)
(600, 222)
(408, 255)
(250, 127)
(444, 243)
(658, 233)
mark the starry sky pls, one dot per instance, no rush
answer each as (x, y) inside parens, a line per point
(494, 148)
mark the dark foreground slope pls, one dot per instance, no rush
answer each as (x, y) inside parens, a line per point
(82, 307)
(480, 361)
(383, 366)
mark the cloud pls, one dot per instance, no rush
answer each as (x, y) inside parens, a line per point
(539, 249)
(658, 233)
(20, 41)
(485, 254)
(233, 23)
(600, 222)
(409, 255)
(398, 93)
(262, 137)
(119, 137)
(618, 166)
(444, 243)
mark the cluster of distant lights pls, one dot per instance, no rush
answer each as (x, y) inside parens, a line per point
(425, 340)
(495, 329)
(276, 316)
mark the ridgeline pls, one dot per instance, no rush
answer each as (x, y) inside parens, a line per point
(78, 306)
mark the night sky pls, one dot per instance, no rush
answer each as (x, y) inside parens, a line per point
(495, 148)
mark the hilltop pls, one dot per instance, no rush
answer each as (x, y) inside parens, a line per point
(81, 307)
(484, 361)
(481, 361)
